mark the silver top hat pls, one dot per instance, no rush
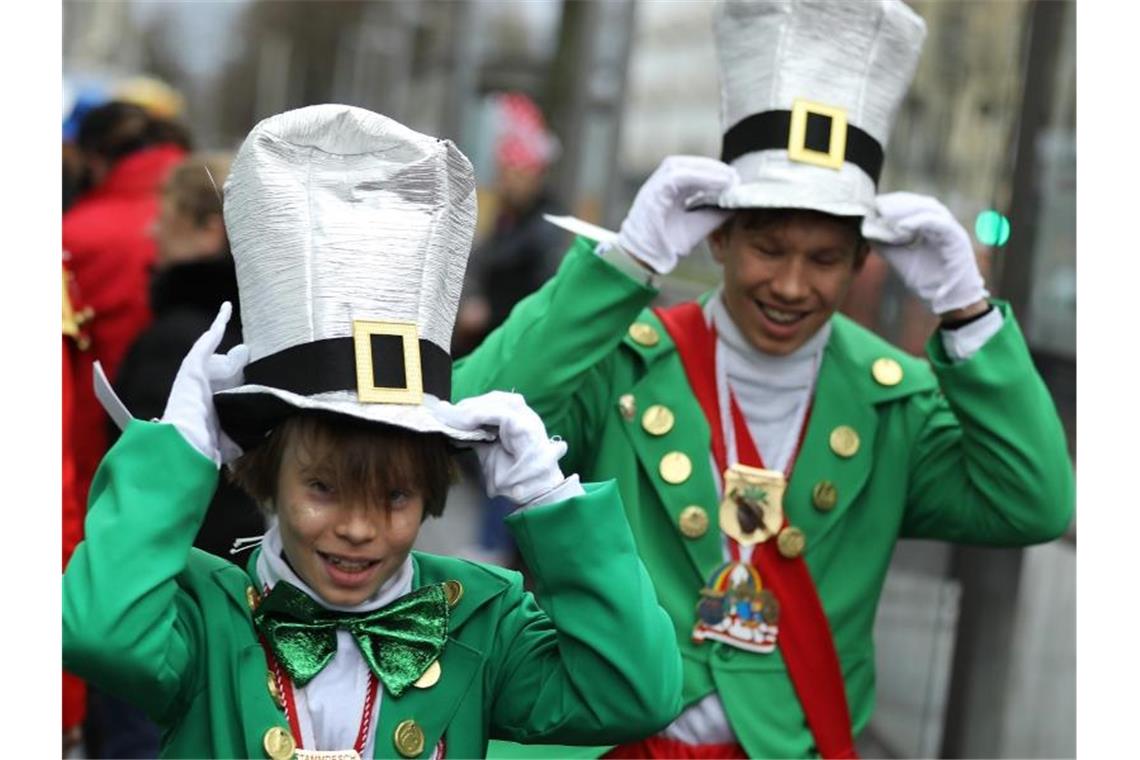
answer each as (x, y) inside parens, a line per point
(350, 234)
(809, 92)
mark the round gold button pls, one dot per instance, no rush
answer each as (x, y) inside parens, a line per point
(409, 738)
(252, 598)
(675, 467)
(824, 495)
(657, 420)
(844, 441)
(644, 334)
(274, 689)
(887, 372)
(627, 405)
(694, 521)
(430, 676)
(278, 744)
(453, 590)
(791, 542)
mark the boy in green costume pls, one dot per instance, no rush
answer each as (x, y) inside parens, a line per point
(350, 234)
(769, 451)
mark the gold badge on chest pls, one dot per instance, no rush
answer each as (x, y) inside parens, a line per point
(752, 510)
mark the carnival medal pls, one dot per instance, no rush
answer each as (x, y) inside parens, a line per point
(753, 507)
(736, 609)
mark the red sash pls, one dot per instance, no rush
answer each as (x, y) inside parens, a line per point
(805, 634)
(660, 746)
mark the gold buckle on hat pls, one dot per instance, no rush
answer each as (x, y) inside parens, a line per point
(797, 133)
(368, 392)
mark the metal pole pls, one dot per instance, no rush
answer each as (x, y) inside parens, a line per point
(568, 91)
(990, 578)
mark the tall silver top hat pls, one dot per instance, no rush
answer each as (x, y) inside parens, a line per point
(350, 234)
(809, 92)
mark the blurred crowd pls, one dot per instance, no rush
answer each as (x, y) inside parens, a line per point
(146, 265)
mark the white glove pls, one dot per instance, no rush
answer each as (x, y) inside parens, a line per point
(658, 230)
(190, 407)
(928, 248)
(522, 464)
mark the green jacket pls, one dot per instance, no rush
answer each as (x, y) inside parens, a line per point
(169, 628)
(971, 452)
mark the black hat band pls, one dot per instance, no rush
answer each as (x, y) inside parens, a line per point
(382, 365)
(811, 133)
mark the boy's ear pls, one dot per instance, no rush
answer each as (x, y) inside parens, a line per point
(718, 240)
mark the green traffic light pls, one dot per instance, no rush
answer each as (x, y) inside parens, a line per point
(991, 228)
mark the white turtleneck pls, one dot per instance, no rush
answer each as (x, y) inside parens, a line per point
(773, 391)
(329, 707)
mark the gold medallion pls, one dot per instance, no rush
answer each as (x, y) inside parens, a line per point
(657, 420)
(844, 441)
(409, 738)
(644, 334)
(453, 590)
(753, 507)
(252, 598)
(791, 542)
(430, 676)
(627, 405)
(824, 496)
(694, 521)
(675, 467)
(278, 744)
(887, 372)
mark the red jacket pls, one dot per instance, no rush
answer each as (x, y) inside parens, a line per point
(109, 250)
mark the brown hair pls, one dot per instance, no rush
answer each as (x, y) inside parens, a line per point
(363, 459)
(191, 190)
(761, 218)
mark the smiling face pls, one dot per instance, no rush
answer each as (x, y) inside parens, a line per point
(349, 497)
(786, 272)
(344, 548)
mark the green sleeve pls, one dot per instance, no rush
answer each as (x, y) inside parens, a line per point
(557, 347)
(991, 465)
(126, 625)
(595, 660)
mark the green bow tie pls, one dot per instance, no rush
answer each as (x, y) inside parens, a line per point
(398, 641)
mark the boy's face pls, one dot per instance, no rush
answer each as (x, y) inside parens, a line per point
(785, 276)
(344, 550)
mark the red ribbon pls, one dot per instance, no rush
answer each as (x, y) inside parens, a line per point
(805, 634)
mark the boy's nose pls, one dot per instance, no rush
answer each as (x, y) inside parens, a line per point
(790, 284)
(359, 525)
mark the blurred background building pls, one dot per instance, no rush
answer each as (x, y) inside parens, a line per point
(976, 646)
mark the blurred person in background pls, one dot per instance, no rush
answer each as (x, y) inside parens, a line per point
(73, 174)
(194, 275)
(522, 250)
(75, 364)
(125, 154)
(828, 444)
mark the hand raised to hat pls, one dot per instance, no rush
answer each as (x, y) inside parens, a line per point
(522, 463)
(928, 248)
(658, 230)
(190, 407)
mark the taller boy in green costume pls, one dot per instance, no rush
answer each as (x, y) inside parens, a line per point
(350, 233)
(769, 451)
